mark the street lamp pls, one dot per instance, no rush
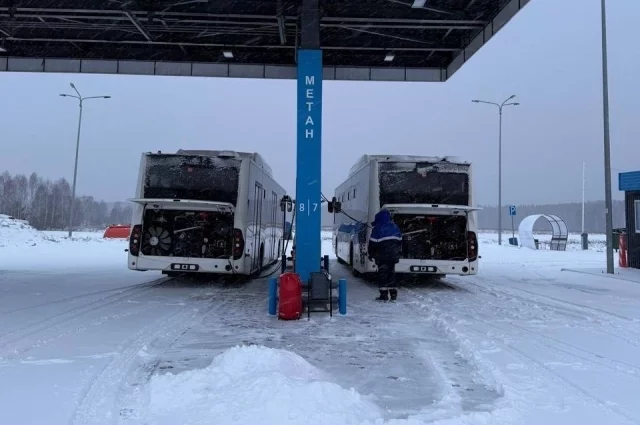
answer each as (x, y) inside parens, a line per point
(607, 143)
(75, 168)
(500, 106)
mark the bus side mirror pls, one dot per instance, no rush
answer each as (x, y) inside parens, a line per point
(286, 204)
(334, 206)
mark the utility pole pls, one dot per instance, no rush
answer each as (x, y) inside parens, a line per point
(500, 106)
(75, 167)
(607, 143)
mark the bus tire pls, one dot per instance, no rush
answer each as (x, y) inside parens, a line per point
(261, 263)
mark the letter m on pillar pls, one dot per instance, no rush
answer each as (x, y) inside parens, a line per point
(308, 166)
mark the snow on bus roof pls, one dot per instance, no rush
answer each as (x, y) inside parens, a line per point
(255, 157)
(364, 159)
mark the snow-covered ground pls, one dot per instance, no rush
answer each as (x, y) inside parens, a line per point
(83, 340)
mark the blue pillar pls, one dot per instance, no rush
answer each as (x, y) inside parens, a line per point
(342, 296)
(309, 151)
(273, 296)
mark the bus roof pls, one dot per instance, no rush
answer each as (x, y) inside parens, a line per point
(364, 160)
(255, 157)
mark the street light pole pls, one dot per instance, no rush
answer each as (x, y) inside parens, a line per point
(500, 106)
(607, 143)
(75, 167)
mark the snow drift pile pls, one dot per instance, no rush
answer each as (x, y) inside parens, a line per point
(14, 232)
(254, 384)
(259, 385)
(23, 247)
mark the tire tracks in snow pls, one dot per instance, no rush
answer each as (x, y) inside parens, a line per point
(579, 392)
(128, 380)
(543, 371)
(552, 302)
(94, 405)
(75, 297)
(551, 343)
(608, 319)
(10, 342)
(464, 386)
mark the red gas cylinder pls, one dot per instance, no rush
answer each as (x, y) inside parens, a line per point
(622, 253)
(290, 297)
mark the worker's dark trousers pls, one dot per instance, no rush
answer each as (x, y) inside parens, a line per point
(387, 280)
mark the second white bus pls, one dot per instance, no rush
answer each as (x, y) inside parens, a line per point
(430, 199)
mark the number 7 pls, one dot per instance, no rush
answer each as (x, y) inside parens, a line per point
(315, 206)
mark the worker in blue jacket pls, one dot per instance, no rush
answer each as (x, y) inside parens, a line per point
(385, 248)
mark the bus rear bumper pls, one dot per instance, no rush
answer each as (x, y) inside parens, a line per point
(186, 265)
(437, 267)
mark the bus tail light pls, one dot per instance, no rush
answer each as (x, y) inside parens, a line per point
(135, 240)
(238, 244)
(472, 243)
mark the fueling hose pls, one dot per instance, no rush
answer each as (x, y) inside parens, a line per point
(284, 224)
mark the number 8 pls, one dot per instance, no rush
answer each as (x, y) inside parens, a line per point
(301, 206)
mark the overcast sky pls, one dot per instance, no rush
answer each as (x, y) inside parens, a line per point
(549, 55)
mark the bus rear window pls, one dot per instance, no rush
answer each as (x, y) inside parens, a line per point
(198, 178)
(423, 184)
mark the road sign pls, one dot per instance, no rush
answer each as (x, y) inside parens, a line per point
(512, 210)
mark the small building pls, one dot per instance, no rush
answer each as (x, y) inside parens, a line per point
(629, 183)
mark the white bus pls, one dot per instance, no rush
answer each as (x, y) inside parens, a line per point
(430, 199)
(205, 212)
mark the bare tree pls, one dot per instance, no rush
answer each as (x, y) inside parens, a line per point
(45, 204)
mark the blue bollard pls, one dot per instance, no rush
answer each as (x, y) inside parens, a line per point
(273, 296)
(342, 296)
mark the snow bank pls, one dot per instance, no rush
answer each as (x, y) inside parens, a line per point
(24, 248)
(14, 233)
(260, 385)
(17, 233)
(256, 385)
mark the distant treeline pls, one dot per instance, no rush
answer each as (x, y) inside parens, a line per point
(45, 204)
(571, 213)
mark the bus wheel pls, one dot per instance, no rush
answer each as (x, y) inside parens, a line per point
(260, 265)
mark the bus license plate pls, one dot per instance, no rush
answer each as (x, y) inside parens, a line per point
(423, 269)
(185, 267)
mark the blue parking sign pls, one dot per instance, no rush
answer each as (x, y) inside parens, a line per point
(512, 210)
